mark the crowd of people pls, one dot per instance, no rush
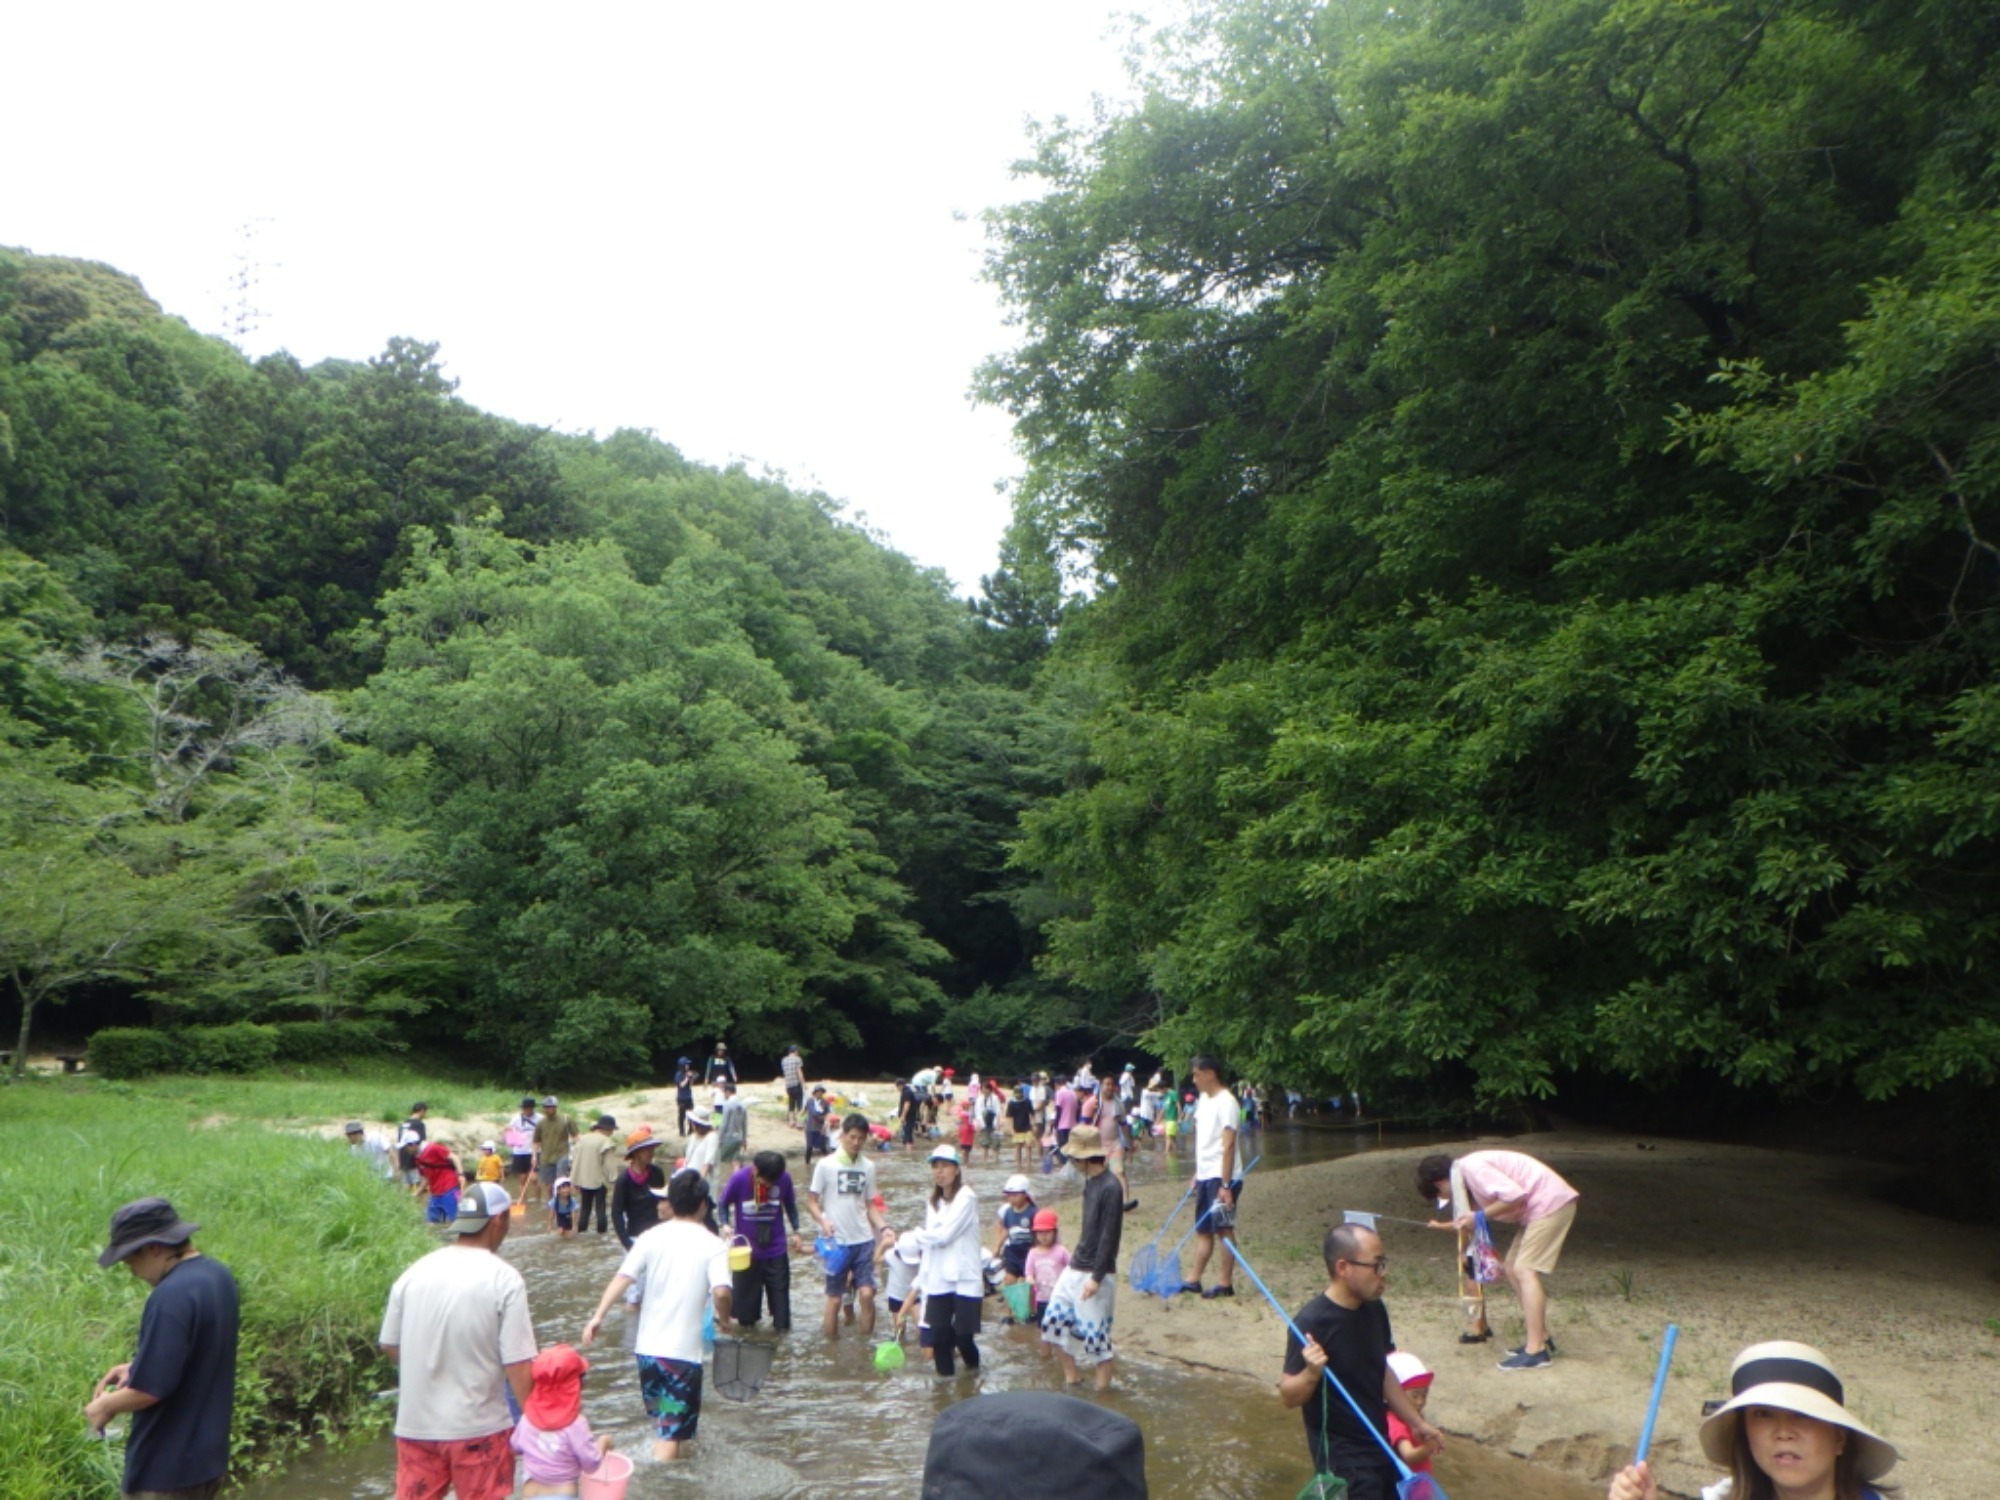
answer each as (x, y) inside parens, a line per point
(707, 1251)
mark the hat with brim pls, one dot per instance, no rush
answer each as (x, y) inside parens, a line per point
(605, 1122)
(946, 1153)
(1086, 1143)
(701, 1119)
(480, 1205)
(1794, 1378)
(142, 1222)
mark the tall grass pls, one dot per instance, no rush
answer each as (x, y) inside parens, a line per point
(313, 1240)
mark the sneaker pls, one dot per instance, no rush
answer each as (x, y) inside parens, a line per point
(1526, 1361)
(1523, 1348)
(1218, 1291)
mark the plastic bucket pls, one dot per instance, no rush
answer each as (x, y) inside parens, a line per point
(739, 1253)
(609, 1482)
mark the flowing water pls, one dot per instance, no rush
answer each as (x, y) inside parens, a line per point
(827, 1424)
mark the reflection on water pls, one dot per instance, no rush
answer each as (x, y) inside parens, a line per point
(826, 1423)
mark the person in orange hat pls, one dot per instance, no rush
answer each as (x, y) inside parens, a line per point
(553, 1437)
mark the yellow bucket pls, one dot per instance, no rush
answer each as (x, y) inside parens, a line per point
(739, 1253)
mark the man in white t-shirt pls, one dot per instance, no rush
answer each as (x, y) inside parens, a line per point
(842, 1198)
(457, 1328)
(1217, 1179)
(680, 1268)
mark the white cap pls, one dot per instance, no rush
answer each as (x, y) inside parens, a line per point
(1016, 1184)
(487, 1146)
(946, 1153)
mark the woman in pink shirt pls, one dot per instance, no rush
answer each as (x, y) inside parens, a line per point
(1515, 1189)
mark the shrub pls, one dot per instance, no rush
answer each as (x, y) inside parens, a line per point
(327, 1041)
(242, 1048)
(132, 1052)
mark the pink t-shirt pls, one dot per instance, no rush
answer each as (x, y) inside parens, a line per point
(1065, 1108)
(1045, 1268)
(555, 1457)
(1511, 1186)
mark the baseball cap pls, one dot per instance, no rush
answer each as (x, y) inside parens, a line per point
(946, 1153)
(1018, 1183)
(480, 1204)
(548, 1101)
(488, 1146)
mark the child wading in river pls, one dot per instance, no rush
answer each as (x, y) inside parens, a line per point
(1046, 1263)
(553, 1437)
(562, 1207)
(1416, 1381)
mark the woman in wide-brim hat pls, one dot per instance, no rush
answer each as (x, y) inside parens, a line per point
(1784, 1434)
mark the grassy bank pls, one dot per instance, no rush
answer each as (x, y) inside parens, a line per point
(313, 1241)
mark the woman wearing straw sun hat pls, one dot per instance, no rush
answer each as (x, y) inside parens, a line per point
(1784, 1434)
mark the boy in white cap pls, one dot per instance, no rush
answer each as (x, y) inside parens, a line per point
(1016, 1235)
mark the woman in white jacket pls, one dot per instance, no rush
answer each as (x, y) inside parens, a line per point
(953, 1278)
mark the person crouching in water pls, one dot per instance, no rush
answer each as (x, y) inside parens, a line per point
(953, 1277)
(1077, 1320)
(553, 1437)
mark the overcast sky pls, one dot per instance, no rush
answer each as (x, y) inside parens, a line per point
(751, 228)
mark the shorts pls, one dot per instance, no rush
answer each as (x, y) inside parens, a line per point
(860, 1272)
(671, 1391)
(1219, 1218)
(795, 1096)
(520, 1166)
(816, 1144)
(548, 1172)
(563, 1220)
(442, 1209)
(1080, 1326)
(1024, 1138)
(1539, 1245)
(480, 1468)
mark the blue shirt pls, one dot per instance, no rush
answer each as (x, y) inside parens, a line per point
(186, 1359)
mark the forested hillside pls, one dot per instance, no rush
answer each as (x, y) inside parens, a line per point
(327, 696)
(1538, 461)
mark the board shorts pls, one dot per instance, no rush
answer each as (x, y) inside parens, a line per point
(860, 1271)
(480, 1468)
(1539, 1245)
(1080, 1326)
(1219, 1218)
(671, 1391)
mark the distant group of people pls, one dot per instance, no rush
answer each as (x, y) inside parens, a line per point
(479, 1399)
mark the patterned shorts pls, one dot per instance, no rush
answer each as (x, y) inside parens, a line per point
(671, 1390)
(479, 1468)
(1080, 1326)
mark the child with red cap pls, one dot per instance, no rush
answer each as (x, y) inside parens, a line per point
(1413, 1377)
(553, 1436)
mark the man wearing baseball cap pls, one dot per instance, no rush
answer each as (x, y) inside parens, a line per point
(180, 1386)
(457, 1327)
(554, 1132)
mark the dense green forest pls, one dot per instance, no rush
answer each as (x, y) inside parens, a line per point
(1523, 473)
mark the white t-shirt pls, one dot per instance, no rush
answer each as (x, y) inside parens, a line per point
(844, 1189)
(700, 1156)
(1213, 1114)
(901, 1278)
(676, 1265)
(457, 1317)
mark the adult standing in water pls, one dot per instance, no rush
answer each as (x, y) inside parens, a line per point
(180, 1385)
(953, 1275)
(635, 1203)
(554, 1134)
(757, 1201)
(679, 1267)
(594, 1166)
(458, 1331)
(518, 1135)
(1784, 1434)
(1077, 1320)
(1217, 1121)
(1515, 1189)
(1347, 1335)
(842, 1198)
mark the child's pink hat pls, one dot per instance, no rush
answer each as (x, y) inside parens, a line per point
(1409, 1371)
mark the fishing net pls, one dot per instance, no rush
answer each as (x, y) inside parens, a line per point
(889, 1355)
(1324, 1487)
(741, 1366)
(1020, 1300)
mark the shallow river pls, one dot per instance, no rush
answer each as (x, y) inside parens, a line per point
(827, 1424)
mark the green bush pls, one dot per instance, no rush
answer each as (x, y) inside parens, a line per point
(313, 1239)
(241, 1048)
(328, 1041)
(132, 1052)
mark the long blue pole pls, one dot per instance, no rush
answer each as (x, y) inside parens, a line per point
(1659, 1390)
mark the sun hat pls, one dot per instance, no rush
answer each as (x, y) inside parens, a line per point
(142, 1222)
(1086, 1143)
(641, 1139)
(1794, 1378)
(1409, 1370)
(947, 1153)
(480, 1205)
(1018, 1183)
(352, 1127)
(1045, 1218)
(557, 1399)
(487, 1146)
(605, 1122)
(701, 1119)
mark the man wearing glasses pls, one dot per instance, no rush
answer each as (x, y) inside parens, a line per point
(1347, 1337)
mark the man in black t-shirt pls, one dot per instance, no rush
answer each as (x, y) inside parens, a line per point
(1347, 1337)
(180, 1386)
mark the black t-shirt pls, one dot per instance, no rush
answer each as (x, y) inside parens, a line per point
(1021, 1115)
(187, 1359)
(1357, 1346)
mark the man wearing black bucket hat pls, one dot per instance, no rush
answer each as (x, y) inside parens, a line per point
(181, 1384)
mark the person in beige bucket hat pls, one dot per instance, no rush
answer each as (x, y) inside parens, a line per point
(1784, 1434)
